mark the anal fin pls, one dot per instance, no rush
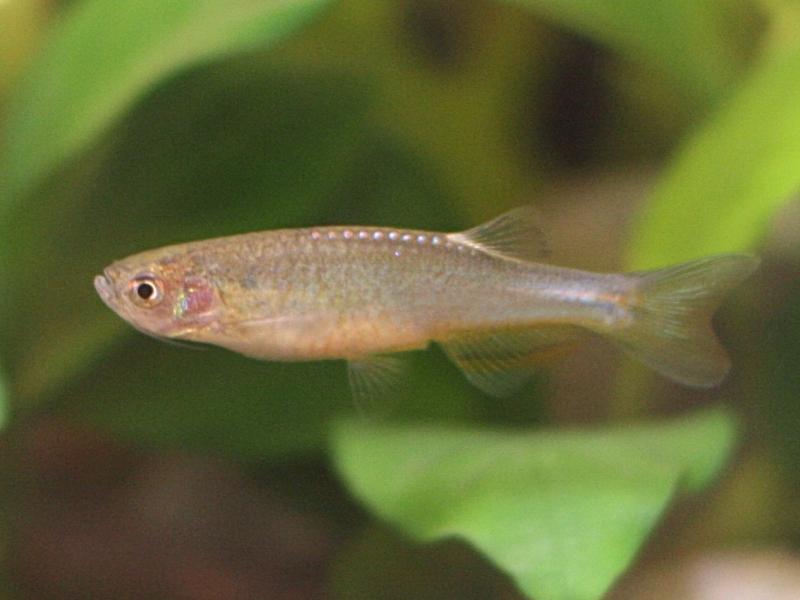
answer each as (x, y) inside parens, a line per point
(499, 362)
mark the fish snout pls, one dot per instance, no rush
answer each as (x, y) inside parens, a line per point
(104, 289)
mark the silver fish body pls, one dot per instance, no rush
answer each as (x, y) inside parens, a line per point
(358, 292)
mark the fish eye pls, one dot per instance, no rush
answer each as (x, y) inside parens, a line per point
(145, 291)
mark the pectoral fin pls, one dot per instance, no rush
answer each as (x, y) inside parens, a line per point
(375, 378)
(500, 362)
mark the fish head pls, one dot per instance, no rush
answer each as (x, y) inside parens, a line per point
(165, 297)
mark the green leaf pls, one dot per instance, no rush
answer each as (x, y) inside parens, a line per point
(3, 403)
(379, 563)
(689, 41)
(210, 401)
(107, 54)
(732, 175)
(562, 513)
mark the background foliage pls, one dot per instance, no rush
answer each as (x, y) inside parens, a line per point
(647, 133)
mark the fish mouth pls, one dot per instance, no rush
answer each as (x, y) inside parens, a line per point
(105, 290)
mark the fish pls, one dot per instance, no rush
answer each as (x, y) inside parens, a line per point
(368, 294)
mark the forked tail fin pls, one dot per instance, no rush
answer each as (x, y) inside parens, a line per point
(671, 327)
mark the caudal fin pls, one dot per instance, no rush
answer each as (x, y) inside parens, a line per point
(671, 327)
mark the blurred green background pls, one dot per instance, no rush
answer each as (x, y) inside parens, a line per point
(646, 133)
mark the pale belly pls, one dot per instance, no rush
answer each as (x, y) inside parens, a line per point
(319, 338)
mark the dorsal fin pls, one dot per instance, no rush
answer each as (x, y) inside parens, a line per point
(514, 234)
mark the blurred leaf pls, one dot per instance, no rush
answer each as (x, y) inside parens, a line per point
(218, 402)
(238, 147)
(107, 54)
(210, 401)
(780, 346)
(459, 82)
(689, 41)
(562, 513)
(3, 403)
(381, 564)
(731, 177)
(21, 23)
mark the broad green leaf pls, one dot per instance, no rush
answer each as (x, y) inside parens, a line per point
(107, 54)
(691, 42)
(562, 513)
(732, 175)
